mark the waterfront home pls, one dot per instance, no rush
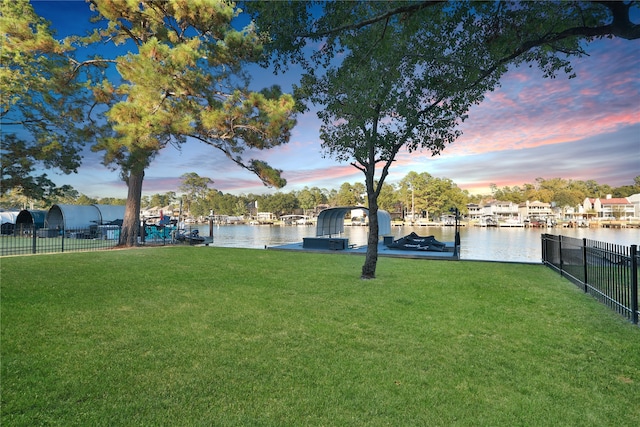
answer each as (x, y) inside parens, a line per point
(536, 209)
(474, 211)
(500, 210)
(609, 207)
(266, 217)
(635, 200)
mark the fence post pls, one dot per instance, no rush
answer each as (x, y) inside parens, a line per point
(560, 255)
(634, 284)
(34, 240)
(584, 263)
(63, 233)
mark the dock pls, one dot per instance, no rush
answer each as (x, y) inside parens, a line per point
(383, 251)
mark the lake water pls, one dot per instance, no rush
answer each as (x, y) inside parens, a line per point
(476, 243)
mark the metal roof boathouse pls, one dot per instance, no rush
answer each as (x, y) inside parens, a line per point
(330, 228)
(331, 221)
(31, 218)
(83, 216)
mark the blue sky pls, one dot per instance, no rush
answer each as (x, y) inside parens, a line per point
(580, 129)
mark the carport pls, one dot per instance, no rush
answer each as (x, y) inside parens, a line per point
(31, 219)
(83, 216)
(111, 214)
(84, 221)
(69, 217)
(330, 227)
(331, 221)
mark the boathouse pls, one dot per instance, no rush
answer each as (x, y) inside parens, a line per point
(330, 228)
(29, 218)
(83, 217)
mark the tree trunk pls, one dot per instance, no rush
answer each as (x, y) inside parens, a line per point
(131, 223)
(371, 259)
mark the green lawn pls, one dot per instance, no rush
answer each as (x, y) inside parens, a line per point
(219, 336)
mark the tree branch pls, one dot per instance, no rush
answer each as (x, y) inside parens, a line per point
(79, 65)
(404, 9)
(620, 27)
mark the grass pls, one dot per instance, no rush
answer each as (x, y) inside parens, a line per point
(229, 337)
(23, 245)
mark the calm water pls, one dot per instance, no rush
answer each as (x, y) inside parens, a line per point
(496, 244)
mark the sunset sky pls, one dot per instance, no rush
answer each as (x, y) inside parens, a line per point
(580, 129)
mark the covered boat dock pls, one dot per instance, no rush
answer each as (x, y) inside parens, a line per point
(330, 238)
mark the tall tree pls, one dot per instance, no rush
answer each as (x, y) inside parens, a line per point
(442, 195)
(408, 72)
(278, 203)
(388, 198)
(435, 196)
(310, 198)
(194, 187)
(413, 190)
(183, 77)
(350, 194)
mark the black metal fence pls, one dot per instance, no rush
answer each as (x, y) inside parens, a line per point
(25, 239)
(608, 272)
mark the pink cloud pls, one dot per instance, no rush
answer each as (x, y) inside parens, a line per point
(320, 175)
(160, 185)
(559, 111)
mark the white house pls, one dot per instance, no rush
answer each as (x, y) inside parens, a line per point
(534, 209)
(474, 211)
(609, 207)
(635, 200)
(500, 210)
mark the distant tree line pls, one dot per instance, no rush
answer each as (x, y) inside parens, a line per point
(562, 192)
(419, 193)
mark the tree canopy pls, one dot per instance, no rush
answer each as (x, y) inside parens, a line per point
(42, 104)
(389, 76)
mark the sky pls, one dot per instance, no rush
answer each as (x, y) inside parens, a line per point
(586, 128)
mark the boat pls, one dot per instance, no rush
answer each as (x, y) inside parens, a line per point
(193, 237)
(487, 221)
(415, 242)
(511, 222)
